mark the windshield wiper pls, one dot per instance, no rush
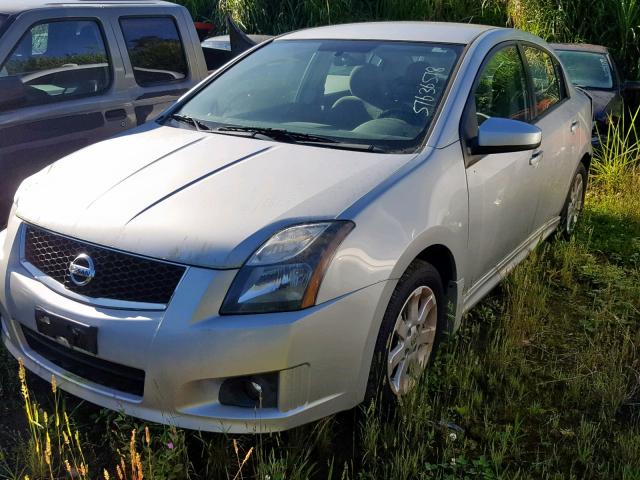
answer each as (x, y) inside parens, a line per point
(297, 137)
(276, 133)
(199, 126)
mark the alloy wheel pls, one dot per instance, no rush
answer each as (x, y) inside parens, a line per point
(575, 203)
(412, 340)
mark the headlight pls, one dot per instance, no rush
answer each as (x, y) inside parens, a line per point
(285, 273)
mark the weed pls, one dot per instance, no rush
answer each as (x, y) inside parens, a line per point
(615, 23)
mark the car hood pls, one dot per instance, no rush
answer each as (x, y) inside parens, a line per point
(195, 198)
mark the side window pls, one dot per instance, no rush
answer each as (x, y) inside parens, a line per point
(57, 61)
(546, 84)
(502, 87)
(155, 49)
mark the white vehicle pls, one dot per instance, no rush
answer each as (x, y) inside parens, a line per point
(297, 231)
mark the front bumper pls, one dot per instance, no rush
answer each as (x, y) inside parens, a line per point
(321, 355)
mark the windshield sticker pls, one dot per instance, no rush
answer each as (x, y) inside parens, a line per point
(427, 95)
(604, 63)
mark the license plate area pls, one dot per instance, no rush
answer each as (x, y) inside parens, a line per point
(69, 333)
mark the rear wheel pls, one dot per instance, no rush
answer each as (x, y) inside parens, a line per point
(409, 334)
(574, 202)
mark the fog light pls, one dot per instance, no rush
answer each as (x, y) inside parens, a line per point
(254, 391)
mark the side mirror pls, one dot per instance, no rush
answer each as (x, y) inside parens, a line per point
(500, 135)
(631, 86)
(12, 92)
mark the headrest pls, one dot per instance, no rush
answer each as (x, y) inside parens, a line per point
(61, 39)
(88, 39)
(504, 78)
(366, 82)
(411, 83)
(415, 72)
(25, 47)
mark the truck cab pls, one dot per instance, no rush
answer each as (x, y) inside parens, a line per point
(78, 72)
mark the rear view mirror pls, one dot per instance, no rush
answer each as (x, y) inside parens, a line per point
(12, 92)
(500, 135)
(347, 60)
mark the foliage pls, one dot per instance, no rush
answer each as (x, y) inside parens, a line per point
(158, 53)
(614, 23)
(38, 64)
(619, 152)
(541, 382)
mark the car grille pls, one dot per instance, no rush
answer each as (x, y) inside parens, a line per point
(113, 375)
(118, 276)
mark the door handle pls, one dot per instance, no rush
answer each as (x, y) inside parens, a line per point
(535, 158)
(117, 114)
(574, 126)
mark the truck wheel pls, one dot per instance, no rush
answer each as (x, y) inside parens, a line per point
(409, 335)
(574, 203)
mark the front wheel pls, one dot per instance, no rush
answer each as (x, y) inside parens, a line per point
(409, 334)
(574, 203)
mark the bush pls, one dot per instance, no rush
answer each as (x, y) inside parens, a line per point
(614, 23)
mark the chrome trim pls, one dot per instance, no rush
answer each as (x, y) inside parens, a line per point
(93, 301)
(86, 271)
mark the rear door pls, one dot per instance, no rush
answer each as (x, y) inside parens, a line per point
(66, 63)
(555, 115)
(161, 61)
(502, 195)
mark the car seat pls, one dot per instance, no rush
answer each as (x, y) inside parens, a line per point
(367, 100)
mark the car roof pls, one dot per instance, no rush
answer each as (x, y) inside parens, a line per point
(580, 47)
(17, 6)
(441, 32)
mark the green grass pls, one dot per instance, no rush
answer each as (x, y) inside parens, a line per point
(541, 382)
(619, 152)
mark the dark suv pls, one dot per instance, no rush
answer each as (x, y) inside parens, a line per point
(592, 68)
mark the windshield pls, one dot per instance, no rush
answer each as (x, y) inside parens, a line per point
(587, 69)
(379, 93)
(3, 18)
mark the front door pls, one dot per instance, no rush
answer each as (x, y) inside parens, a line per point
(557, 117)
(67, 100)
(502, 196)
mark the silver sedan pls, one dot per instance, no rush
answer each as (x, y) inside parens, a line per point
(297, 232)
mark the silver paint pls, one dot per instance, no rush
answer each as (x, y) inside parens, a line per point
(487, 216)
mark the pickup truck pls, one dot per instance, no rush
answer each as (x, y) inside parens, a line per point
(78, 72)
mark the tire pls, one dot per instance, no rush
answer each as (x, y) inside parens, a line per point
(574, 203)
(421, 281)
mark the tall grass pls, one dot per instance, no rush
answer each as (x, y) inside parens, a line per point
(614, 23)
(541, 382)
(618, 155)
(269, 16)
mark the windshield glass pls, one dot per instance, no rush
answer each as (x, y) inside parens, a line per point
(377, 93)
(587, 69)
(3, 18)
